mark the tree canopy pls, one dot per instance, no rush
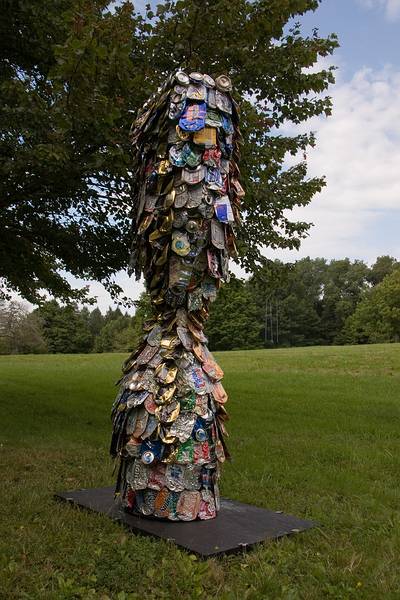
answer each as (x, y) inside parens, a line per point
(73, 72)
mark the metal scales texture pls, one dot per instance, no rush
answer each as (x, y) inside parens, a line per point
(169, 416)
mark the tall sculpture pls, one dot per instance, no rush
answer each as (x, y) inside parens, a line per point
(168, 418)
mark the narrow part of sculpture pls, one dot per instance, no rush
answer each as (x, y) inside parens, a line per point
(169, 416)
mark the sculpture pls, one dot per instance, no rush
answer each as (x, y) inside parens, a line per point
(168, 418)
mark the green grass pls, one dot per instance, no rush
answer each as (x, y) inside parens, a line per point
(314, 432)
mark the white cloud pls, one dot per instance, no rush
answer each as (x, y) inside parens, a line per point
(390, 7)
(358, 149)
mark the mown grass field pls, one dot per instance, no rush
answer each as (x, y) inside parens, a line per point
(314, 432)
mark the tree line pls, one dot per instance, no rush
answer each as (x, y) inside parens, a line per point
(309, 302)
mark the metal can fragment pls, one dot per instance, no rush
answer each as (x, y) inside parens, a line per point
(188, 505)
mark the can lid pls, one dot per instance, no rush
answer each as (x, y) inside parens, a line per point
(147, 457)
(196, 77)
(182, 78)
(208, 81)
(223, 83)
(201, 435)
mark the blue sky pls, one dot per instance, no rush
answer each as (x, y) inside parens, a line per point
(358, 148)
(368, 31)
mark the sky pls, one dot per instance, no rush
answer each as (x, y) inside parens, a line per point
(358, 148)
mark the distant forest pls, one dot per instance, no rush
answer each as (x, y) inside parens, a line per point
(309, 302)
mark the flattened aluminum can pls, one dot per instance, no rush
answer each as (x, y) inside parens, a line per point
(206, 137)
(172, 504)
(183, 362)
(211, 98)
(195, 299)
(150, 405)
(157, 476)
(165, 394)
(201, 453)
(199, 352)
(217, 234)
(180, 243)
(180, 218)
(132, 447)
(223, 83)
(197, 92)
(166, 373)
(213, 371)
(185, 452)
(141, 422)
(219, 451)
(189, 402)
(137, 474)
(207, 508)
(185, 337)
(149, 498)
(223, 102)
(183, 426)
(192, 477)
(188, 505)
(181, 196)
(139, 501)
(194, 176)
(137, 398)
(174, 477)
(176, 155)
(219, 393)
(184, 384)
(196, 77)
(206, 478)
(201, 407)
(198, 379)
(168, 412)
(154, 337)
(182, 78)
(176, 110)
(161, 508)
(131, 422)
(195, 193)
(130, 499)
(181, 317)
(152, 424)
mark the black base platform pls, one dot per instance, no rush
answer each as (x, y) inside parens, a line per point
(237, 526)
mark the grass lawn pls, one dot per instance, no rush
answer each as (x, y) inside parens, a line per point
(314, 432)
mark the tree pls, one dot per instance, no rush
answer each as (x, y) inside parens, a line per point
(72, 72)
(113, 337)
(377, 317)
(233, 322)
(343, 288)
(64, 328)
(95, 322)
(384, 265)
(20, 331)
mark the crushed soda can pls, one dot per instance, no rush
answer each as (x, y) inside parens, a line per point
(156, 480)
(175, 477)
(182, 427)
(207, 508)
(188, 505)
(137, 474)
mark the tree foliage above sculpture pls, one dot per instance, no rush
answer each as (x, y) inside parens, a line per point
(73, 73)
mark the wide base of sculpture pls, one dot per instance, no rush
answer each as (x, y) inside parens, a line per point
(237, 527)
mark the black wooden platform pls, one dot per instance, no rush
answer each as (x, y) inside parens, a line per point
(237, 526)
